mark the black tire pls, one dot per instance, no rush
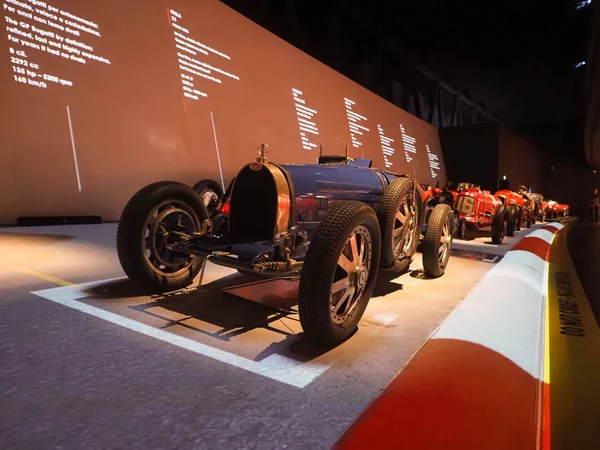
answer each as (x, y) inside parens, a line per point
(512, 219)
(499, 225)
(396, 256)
(520, 218)
(461, 229)
(435, 252)
(211, 194)
(172, 201)
(320, 320)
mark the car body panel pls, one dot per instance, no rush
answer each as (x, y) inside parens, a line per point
(304, 193)
(477, 206)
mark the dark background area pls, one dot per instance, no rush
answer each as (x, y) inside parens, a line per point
(461, 63)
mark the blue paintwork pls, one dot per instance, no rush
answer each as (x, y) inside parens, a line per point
(318, 186)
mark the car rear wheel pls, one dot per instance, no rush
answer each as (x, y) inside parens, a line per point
(512, 219)
(158, 215)
(339, 273)
(210, 193)
(400, 222)
(499, 225)
(438, 241)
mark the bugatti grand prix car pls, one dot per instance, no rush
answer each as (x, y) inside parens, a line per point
(333, 225)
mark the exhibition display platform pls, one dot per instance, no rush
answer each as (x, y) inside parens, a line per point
(88, 361)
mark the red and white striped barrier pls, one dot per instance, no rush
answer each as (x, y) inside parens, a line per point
(476, 383)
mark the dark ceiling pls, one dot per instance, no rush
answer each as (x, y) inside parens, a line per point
(516, 57)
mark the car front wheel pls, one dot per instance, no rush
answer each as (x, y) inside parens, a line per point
(156, 216)
(339, 273)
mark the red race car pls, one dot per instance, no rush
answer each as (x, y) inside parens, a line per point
(478, 209)
(520, 207)
(555, 210)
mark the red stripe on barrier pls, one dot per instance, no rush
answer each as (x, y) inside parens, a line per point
(551, 229)
(535, 245)
(453, 395)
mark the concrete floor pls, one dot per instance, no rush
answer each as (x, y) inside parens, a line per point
(204, 369)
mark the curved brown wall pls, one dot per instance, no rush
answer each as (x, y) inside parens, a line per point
(131, 124)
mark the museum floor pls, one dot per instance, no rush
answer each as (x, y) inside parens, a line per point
(87, 362)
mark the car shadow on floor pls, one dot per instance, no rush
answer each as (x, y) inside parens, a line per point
(211, 313)
(385, 285)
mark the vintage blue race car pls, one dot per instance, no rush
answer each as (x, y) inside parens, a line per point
(331, 224)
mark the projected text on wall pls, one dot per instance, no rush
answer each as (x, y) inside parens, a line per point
(305, 117)
(189, 53)
(410, 149)
(434, 162)
(354, 120)
(386, 148)
(34, 28)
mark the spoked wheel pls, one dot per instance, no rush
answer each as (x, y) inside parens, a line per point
(438, 241)
(352, 273)
(400, 221)
(158, 215)
(339, 273)
(165, 225)
(210, 193)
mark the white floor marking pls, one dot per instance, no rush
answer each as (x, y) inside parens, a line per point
(275, 367)
(74, 150)
(384, 319)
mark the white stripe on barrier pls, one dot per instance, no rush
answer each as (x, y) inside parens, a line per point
(545, 235)
(504, 311)
(527, 259)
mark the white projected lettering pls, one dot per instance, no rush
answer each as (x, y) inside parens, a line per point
(386, 147)
(354, 121)
(409, 142)
(192, 68)
(434, 162)
(305, 120)
(34, 26)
